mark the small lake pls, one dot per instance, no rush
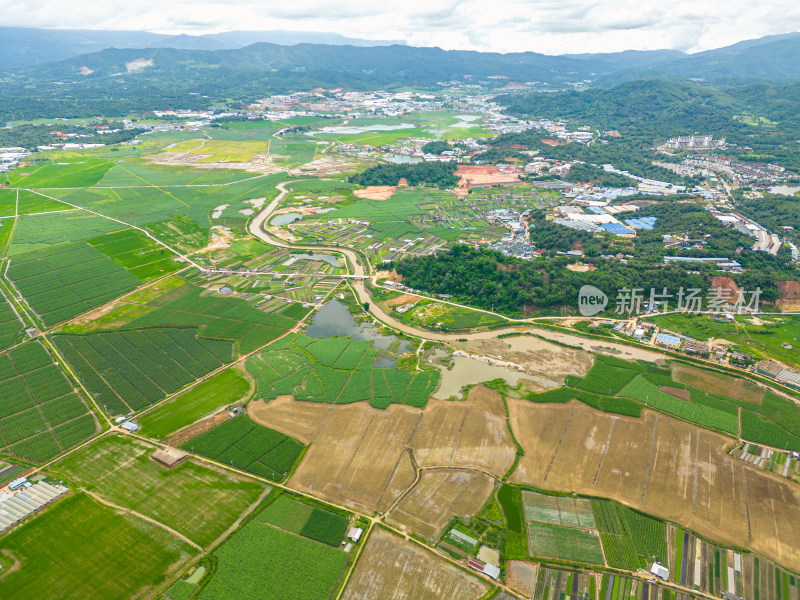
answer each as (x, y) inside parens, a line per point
(346, 130)
(468, 118)
(327, 258)
(786, 190)
(334, 319)
(285, 219)
(403, 159)
(469, 371)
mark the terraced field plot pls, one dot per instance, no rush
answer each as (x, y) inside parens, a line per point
(41, 414)
(261, 561)
(248, 446)
(197, 501)
(84, 549)
(129, 370)
(62, 282)
(337, 371)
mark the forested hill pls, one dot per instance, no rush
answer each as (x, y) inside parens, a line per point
(490, 280)
(761, 117)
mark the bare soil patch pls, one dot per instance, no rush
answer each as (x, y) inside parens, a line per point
(375, 192)
(392, 568)
(677, 392)
(662, 466)
(481, 175)
(521, 576)
(465, 434)
(358, 454)
(547, 363)
(439, 495)
(192, 431)
(717, 383)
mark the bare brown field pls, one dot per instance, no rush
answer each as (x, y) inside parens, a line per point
(717, 383)
(521, 576)
(466, 434)
(358, 453)
(395, 569)
(439, 495)
(300, 420)
(375, 192)
(662, 466)
(677, 392)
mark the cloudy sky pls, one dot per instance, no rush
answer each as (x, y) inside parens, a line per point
(548, 26)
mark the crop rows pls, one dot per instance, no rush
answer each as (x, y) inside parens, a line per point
(243, 444)
(260, 561)
(309, 521)
(39, 407)
(630, 539)
(608, 377)
(219, 317)
(62, 282)
(10, 325)
(128, 370)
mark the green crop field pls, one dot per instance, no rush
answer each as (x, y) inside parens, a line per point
(204, 399)
(336, 370)
(42, 232)
(630, 539)
(763, 338)
(217, 316)
(221, 150)
(62, 282)
(40, 414)
(195, 500)
(138, 254)
(79, 549)
(245, 445)
(556, 527)
(309, 521)
(260, 561)
(129, 370)
(10, 324)
(608, 376)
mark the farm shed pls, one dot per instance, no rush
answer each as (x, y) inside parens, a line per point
(660, 571)
(169, 457)
(355, 534)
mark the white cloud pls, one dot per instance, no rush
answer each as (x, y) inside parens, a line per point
(547, 26)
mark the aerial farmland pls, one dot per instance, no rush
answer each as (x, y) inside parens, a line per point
(206, 345)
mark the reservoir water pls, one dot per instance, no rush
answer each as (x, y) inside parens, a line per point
(334, 319)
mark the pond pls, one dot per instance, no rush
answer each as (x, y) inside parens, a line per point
(285, 219)
(334, 319)
(327, 258)
(350, 130)
(786, 190)
(469, 371)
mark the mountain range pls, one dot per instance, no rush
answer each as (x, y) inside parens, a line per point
(21, 46)
(123, 79)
